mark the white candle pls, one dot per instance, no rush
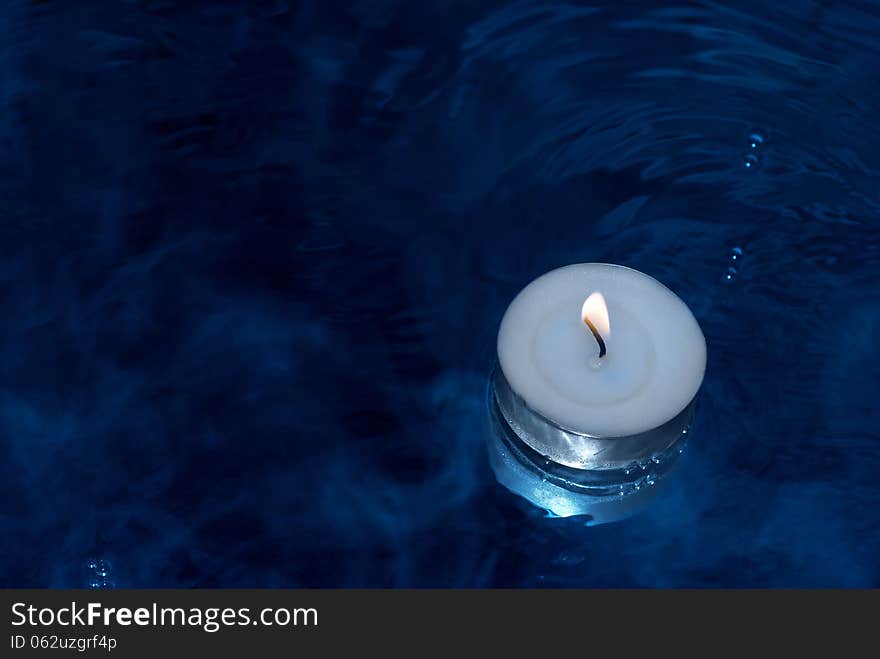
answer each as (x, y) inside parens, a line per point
(584, 410)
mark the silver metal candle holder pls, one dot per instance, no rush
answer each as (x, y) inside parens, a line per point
(569, 473)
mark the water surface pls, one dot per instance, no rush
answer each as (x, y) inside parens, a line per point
(254, 256)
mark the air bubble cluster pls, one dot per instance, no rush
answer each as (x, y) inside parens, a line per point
(100, 574)
(734, 260)
(755, 148)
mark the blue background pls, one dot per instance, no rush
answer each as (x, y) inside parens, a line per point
(254, 256)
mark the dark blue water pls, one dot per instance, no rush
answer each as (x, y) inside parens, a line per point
(254, 256)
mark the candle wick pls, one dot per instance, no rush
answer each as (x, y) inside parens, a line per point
(597, 336)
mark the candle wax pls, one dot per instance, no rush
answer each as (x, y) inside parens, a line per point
(655, 361)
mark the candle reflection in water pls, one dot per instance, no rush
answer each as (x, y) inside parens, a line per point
(597, 496)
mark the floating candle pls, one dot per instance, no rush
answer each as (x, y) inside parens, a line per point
(599, 366)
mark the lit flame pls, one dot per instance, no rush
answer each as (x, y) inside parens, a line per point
(596, 311)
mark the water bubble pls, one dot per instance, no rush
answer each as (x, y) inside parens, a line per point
(735, 253)
(755, 140)
(730, 275)
(751, 161)
(101, 584)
